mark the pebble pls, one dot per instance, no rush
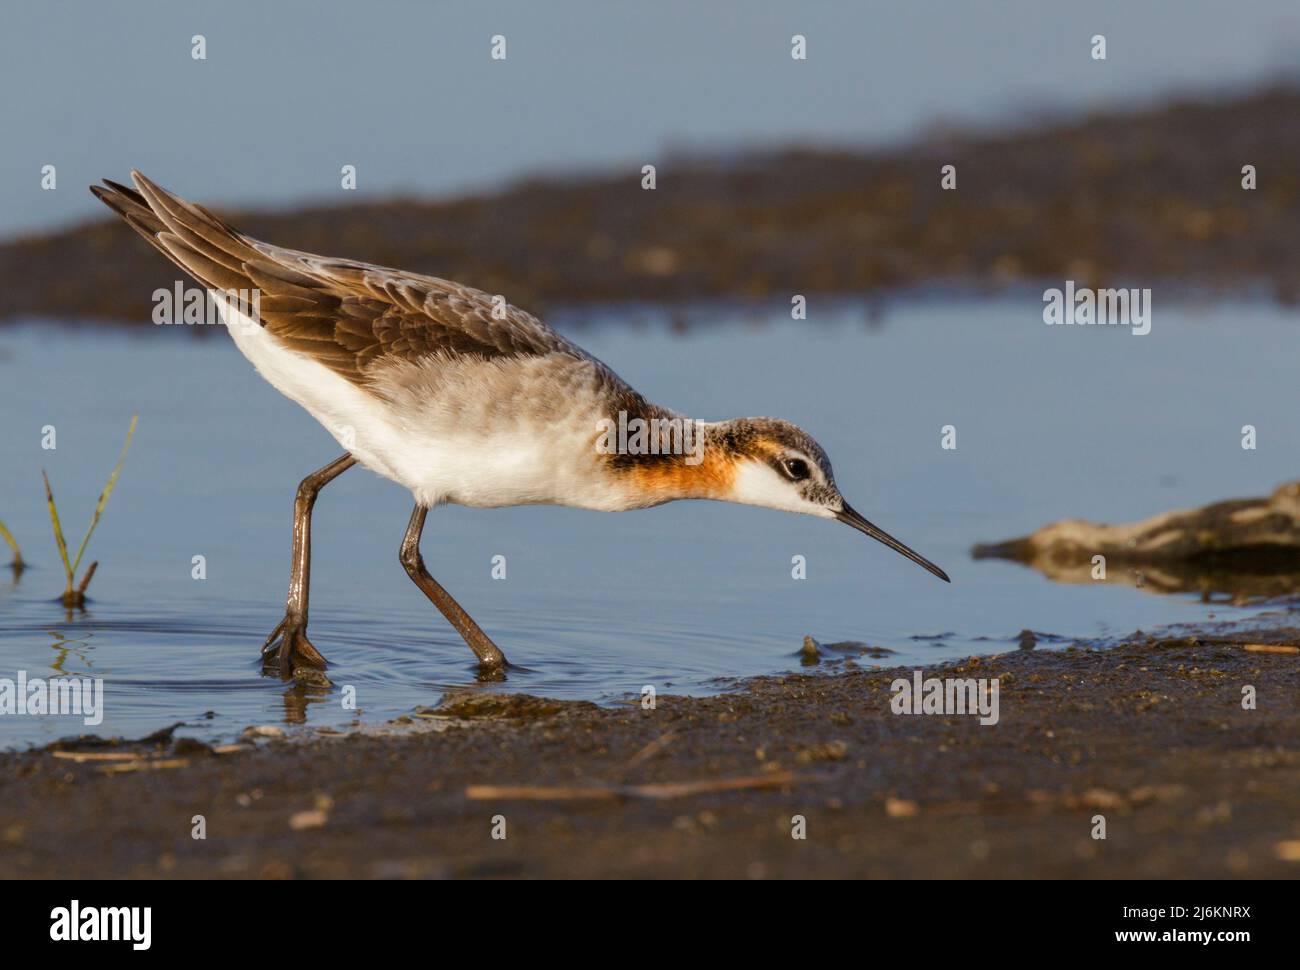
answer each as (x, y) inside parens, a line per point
(313, 819)
(263, 731)
(900, 808)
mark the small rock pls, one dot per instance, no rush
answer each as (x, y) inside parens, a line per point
(263, 731)
(829, 751)
(313, 819)
(1102, 798)
(900, 808)
(1288, 850)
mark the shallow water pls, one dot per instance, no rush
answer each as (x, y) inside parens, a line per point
(1051, 422)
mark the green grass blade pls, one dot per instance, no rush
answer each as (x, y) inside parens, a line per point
(58, 529)
(103, 497)
(13, 544)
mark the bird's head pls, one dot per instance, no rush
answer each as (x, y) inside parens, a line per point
(778, 465)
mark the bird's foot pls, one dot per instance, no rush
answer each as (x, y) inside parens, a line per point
(492, 673)
(288, 649)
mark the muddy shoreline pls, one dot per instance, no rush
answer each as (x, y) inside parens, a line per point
(1151, 734)
(1154, 195)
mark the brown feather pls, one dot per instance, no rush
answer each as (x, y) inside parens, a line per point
(351, 317)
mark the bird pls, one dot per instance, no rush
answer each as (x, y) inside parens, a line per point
(463, 399)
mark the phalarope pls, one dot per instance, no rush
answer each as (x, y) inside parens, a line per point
(460, 398)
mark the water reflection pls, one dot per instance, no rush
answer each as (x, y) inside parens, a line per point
(64, 646)
(1239, 551)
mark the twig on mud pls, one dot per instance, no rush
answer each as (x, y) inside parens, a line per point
(651, 749)
(151, 765)
(652, 790)
(80, 756)
(1270, 648)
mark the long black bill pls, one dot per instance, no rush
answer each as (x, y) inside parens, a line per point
(851, 517)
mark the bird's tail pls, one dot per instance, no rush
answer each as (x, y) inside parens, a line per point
(212, 252)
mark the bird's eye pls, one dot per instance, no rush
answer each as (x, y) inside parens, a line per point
(796, 468)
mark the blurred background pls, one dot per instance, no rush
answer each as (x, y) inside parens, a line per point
(775, 177)
(406, 91)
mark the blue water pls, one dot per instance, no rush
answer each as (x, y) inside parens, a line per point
(1051, 422)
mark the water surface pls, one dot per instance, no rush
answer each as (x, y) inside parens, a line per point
(1051, 422)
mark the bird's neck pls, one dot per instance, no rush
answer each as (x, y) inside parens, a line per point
(663, 456)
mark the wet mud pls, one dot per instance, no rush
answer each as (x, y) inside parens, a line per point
(1150, 735)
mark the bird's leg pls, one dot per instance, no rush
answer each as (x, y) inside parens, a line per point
(489, 654)
(288, 643)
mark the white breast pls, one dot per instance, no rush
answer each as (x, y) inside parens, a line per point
(486, 433)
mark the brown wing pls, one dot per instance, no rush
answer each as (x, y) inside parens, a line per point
(344, 314)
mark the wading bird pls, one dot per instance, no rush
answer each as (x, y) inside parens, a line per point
(460, 398)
